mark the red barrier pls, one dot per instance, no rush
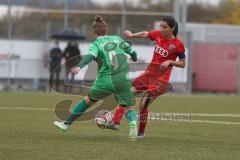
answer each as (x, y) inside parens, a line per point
(215, 67)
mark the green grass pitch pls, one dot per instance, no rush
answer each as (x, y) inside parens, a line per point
(27, 131)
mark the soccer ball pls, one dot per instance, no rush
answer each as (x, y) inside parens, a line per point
(103, 118)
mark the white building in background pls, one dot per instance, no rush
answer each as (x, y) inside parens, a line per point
(28, 59)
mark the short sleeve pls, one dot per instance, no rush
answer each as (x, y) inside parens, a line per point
(180, 48)
(154, 34)
(93, 49)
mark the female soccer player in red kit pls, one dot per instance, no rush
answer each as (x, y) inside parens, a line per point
(155, 78)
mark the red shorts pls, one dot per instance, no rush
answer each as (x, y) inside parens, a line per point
(151, 84)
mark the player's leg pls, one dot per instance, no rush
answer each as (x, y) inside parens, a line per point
(125, 98)
(76, 112)
(117, 116)
(139, 85)
(66, 86)
(143, 115)
(153, 92)
(132, 117)
(96, 93)
(119, 112)
(57, 79)
(52, 75)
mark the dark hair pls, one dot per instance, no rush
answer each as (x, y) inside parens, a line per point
(172, 23)
(99, 25)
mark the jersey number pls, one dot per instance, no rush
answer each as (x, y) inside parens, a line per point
(113, 59)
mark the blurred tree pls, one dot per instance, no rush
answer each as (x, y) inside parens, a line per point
(34, 3)
(157, 5)
(202, 13)
(32, 25)
(230, 12)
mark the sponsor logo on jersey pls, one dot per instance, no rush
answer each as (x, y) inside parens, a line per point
(171, 47)
(161, 51)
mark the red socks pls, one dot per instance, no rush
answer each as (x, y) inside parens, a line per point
(119, 112)
(143, 120)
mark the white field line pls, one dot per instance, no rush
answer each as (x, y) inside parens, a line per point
(187, 117)
(212, 122)
(195, 121)
(160, 114)
(171, 117)
(196, 114)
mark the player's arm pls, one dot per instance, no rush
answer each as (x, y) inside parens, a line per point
(133, 55)
(129, 34)
(181, 63)
(92, 54)
(85, 61)
(129, 50)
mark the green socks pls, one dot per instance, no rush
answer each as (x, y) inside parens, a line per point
(131, 116)
(77, 111)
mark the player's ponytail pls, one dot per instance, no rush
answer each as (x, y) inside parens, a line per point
(172, 23)
(175, 31)
(99, 26)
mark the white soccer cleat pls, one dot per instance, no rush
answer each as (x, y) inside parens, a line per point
(133, 131)
(61, 125)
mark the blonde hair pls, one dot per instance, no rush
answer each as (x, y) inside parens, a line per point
(99, 26)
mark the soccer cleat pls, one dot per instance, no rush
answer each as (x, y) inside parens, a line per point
(133, 131)
(61, 125)
(140, 135)
(113, 126)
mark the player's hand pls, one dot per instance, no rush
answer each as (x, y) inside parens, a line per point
(75, 70)
(165, 65)
(127, 34)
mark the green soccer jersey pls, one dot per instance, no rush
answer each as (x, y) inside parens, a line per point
(110, 55)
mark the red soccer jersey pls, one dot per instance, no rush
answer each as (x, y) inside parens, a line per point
(164, 50)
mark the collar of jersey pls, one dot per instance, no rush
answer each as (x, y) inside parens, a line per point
(101, 37)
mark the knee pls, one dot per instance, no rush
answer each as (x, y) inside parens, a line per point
(141, 106)
(127, 108)
(89, 101)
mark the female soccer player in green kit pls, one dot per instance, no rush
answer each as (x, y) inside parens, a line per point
(112, 76)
